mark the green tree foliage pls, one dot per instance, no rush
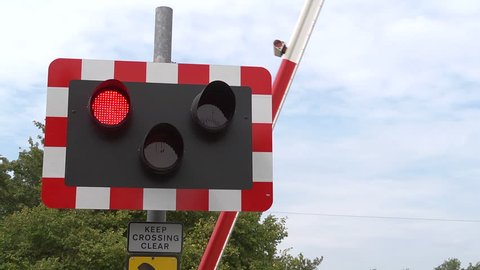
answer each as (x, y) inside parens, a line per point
(450, 264)
(287, 261)
(455, 264)
(19, 180)
(253, 243)
(34, 237)
(473, 267)
(41, 238)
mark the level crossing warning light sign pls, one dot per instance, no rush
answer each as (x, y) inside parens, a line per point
(157, 136)
(153, 263)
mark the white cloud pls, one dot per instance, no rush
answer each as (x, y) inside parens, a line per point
(377, 51)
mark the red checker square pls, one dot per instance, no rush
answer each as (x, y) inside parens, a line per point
(56, 194)
(262, 137)
(56, 134)
(126, 198)
(188, 199)
(193, 74)
(130, 71)
(259, 198)
(255, 78)
(62, 71)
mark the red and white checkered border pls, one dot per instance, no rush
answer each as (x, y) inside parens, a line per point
(56, 194)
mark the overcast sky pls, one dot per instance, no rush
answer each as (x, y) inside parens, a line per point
(381, 120)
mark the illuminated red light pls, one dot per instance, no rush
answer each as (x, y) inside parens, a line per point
(110, 104)
(110, 107)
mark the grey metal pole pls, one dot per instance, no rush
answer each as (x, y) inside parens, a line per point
(162, 53)
(162, 48)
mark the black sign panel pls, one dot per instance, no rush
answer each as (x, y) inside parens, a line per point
(99, 157)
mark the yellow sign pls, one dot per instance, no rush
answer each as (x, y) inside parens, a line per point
(152, 263)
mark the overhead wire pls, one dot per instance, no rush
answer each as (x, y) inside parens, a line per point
(375, 217)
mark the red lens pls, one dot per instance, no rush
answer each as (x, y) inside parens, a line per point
(110, 107)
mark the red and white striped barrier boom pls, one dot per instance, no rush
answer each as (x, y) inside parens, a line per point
(283, 80)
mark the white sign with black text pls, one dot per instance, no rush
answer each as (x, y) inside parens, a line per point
(155, 237)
